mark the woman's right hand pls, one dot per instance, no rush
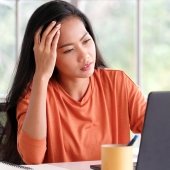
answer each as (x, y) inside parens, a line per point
(45, 50)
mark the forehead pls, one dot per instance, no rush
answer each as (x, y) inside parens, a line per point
(71, 28)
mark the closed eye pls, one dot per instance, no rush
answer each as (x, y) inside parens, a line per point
(86, 41)
(67, 51)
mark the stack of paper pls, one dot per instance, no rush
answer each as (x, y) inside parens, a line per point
(45, 167)
(8, 166)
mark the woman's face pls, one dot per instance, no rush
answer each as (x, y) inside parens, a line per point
(76, 53)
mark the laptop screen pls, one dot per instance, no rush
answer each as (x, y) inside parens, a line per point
(154, 150)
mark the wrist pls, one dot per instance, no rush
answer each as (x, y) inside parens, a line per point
(41, 78)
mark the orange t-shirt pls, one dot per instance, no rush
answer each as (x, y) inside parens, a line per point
(112, 106)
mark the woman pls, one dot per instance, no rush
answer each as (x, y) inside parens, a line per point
(64, 103)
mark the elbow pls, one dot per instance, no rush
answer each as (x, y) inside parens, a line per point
(30, 161)
(32, 157)
(32, 151)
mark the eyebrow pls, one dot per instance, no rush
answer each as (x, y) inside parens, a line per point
(64, 45)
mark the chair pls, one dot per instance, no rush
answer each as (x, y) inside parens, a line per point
(12, 154)
(2, 106)
(2, 120)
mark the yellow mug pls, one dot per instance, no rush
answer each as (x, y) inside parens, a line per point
(116, 157)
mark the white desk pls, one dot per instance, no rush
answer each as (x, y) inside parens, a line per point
(84, 165)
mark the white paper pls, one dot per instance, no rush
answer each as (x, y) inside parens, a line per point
(5, 166)
(45, 167)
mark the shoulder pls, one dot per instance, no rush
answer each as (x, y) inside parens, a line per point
(109, 73)
(114, 77)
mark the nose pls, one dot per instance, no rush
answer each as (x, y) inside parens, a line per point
(83, 55)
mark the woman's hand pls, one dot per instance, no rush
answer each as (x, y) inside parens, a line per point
(45, 50)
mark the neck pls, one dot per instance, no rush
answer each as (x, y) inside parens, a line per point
(75, 88)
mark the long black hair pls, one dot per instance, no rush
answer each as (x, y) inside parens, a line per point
(54, 10)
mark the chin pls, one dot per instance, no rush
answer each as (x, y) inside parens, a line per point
(88, 74)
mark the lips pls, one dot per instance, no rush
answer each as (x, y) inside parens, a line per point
(86, 67)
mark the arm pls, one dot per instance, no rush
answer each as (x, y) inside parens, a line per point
(35, 120)
(34, 123)
(136, 106)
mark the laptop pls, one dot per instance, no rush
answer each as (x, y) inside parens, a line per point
(154, 150)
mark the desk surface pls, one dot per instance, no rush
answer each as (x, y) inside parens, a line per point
(84, 165)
